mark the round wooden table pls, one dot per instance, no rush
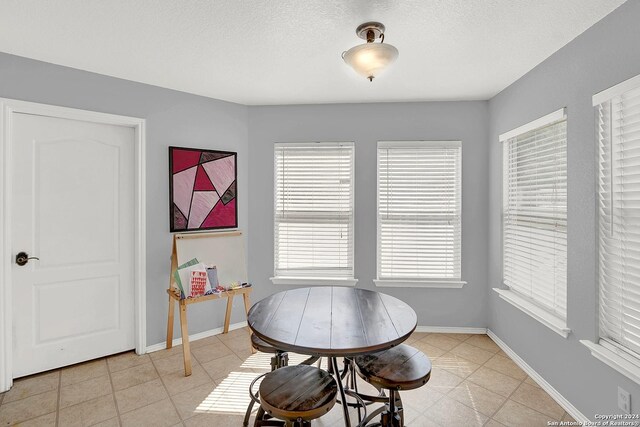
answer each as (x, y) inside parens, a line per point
(332, 321)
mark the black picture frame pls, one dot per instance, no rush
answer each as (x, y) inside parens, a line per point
(187, 163)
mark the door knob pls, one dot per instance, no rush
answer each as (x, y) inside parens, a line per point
(23, 258)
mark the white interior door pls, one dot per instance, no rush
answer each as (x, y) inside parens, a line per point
(73, 208)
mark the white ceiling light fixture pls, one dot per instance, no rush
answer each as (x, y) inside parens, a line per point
(371, 58)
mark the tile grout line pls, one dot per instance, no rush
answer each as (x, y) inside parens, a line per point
(423, 412)
(59, 397)
(206, 373)
(34, 417)
(37, 394)
(85, 381)
(511, 394)
(239, 357)
(489, 418)
(167, 390)
(466, 379)
(533, 409)
(51, 371)
(507, 399)
(148, 404)
(113, 392)
(173, 404)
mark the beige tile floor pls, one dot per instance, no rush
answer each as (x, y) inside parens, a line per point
(473, 383)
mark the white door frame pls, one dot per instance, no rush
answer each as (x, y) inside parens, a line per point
(7, 108)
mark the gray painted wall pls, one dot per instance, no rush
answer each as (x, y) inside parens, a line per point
(603, 56)
(366, 124)
(172, 118)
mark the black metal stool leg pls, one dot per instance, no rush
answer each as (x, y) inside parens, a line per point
(284, 360)
(279, 360)
(395, 416)
(247, 415)
(343, 398)
(400, 407)
(259, 416)
(264, 420)
(391, 414)
(353, 379)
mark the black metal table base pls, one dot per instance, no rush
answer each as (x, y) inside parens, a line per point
(391, 412)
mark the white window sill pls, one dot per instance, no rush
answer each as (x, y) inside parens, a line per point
(554, 323)
(388, 283)
(314, 281)
(623, 363)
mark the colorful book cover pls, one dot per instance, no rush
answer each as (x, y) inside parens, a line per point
(198, 283)
(176, 275)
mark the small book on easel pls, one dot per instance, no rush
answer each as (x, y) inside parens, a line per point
(192, 279)
(212, 272)
(198, 283)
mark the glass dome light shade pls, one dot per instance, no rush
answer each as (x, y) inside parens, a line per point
(370, 59)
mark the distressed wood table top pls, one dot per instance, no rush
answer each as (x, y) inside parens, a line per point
(332, 321)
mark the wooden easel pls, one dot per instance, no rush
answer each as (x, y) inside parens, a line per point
(174, 296)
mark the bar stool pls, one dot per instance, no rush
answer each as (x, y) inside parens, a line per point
(399, 368)
(279, 360)
(295, 395)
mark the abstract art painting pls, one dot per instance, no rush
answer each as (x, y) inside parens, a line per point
(202, 189)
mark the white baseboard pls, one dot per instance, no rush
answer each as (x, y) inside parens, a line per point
(555, 394)
(195, 337)
(451, 330)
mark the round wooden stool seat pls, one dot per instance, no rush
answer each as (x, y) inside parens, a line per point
(278, 360)
(261, 345)
(300, 392)
(399, 368)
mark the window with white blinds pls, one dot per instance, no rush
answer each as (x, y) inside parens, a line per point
(535, 212)
(618, 132)
(314, 210)
(419, 211)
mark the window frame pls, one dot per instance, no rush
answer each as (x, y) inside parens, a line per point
(522, 302)
(617, 356)
(422, 282)
(310, 280)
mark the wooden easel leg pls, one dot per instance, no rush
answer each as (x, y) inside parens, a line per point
(186, 350)
(247, 303)
(170, 323)
(227, 315)
(247, 306)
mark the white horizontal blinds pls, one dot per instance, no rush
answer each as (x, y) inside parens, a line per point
(535, 215)
(619, 218)
(419, 205)
(314, 210)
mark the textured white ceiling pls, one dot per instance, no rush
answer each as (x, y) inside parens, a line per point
(288, 51)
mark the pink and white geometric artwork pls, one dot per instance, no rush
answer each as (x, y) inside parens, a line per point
(202, 189)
